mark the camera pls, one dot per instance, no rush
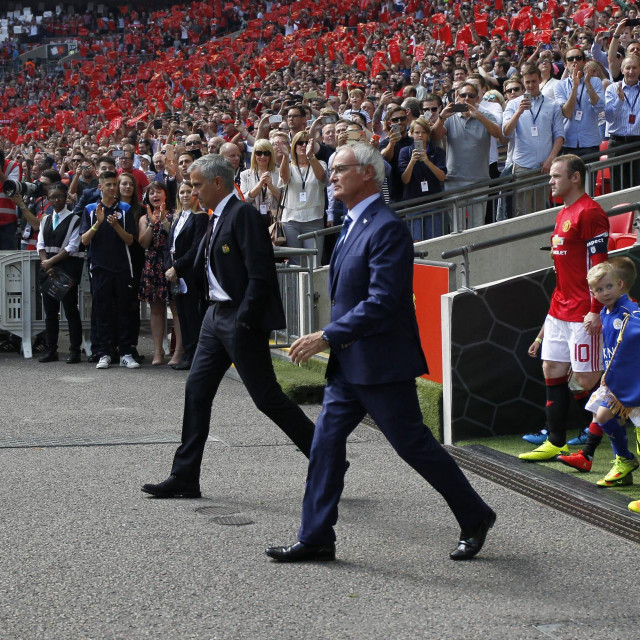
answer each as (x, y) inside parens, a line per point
(35, 189)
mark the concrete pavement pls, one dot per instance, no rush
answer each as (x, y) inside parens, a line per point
(84, 554)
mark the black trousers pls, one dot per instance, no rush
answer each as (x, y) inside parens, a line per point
(111, 290)
(52, 323)
(626, 175)
(221, 343)
(581, 152)
(190, 317)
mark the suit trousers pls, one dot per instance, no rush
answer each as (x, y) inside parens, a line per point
(395, 409)
(221, 343)
(190, 316)
(52, 323)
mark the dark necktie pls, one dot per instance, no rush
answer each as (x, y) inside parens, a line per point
(343, 233)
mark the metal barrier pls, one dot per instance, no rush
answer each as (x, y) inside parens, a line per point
(21, 311)
(297, 295)
(465, 250)
(420, 213)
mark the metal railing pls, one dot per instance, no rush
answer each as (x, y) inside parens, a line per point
(297, 294)
(421, 214)
(466, 249)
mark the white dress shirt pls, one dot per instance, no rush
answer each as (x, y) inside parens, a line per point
(359, 209)
(182, 220)
(216, 292)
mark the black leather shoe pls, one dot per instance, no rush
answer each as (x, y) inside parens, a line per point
(74, 357)
(49, 356)
(300, 552)
(93, 358)
(471, 540)
(183, 365)
(173, 487)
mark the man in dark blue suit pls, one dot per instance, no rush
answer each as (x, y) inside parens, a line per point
(235, 266)
(375, 358)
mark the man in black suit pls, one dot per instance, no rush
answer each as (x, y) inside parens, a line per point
(185, 236)
(375, 358)
(236, 266)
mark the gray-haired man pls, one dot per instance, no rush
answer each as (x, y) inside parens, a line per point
(236, 267)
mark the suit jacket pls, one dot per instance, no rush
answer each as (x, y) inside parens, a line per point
(243, 263)
(187, 244)
(89, 196)
(373, 331)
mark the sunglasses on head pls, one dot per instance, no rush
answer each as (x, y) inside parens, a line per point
(574, 58)
(263, 153)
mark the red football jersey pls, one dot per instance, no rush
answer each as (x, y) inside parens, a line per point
(579, 242)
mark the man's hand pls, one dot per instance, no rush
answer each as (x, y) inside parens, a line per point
(575, 78)
(100, 214)
(386, 98)
(171, 274)
(620, 91)
(306, 346)
(533, 349)
(447, 111)
(588, 74)
(474, 112)
(46, 265)
(523, 106)
(113, 220)
(592, 323)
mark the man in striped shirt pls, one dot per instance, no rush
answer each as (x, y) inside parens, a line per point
(622, 111)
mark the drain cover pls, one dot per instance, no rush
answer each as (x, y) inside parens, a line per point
(233, 520)
(216, 510)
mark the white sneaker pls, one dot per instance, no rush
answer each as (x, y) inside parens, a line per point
(129, 362)
(104, 363)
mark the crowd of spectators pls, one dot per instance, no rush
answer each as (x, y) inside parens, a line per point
(453, 94)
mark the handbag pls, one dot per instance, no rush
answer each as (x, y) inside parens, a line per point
(276, 230)
(57, 284)
(621, 376)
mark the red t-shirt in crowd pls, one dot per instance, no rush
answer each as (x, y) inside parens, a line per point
(579, 242)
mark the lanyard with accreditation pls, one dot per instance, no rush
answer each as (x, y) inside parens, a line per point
(534, 129)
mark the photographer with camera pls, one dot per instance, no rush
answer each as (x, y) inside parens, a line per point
(469, 132)
(9, 170)
(58, 243)
(36, 204)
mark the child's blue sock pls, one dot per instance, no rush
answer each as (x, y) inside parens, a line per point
(618, 435)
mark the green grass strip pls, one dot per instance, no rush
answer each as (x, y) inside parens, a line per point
(602, 460)
(305, 385)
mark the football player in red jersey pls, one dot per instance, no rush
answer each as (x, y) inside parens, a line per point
(572, 340)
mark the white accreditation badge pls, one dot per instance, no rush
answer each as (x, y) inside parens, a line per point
(534, 132)
(424, 185)
(263, 209)
(578, 116)
(303, 196)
